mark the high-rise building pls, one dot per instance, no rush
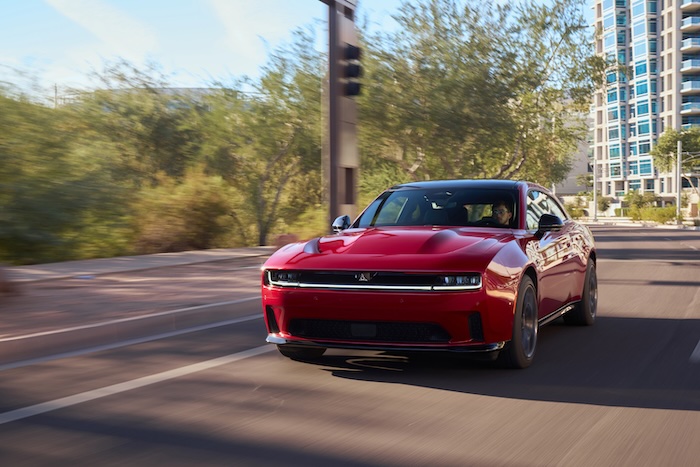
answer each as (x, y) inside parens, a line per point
(658, 41)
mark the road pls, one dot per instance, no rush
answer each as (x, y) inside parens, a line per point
(623, 392)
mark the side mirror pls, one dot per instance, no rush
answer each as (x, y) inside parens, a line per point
(548, 223)
(341, 223)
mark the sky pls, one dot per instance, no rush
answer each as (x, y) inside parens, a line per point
(59, 42)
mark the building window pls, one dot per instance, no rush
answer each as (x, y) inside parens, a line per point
(635, 185)
(609, 40)
(640, 50)
(649, 185)
(642, 88)
(614, 152)
(634, 168)
(645, 167)
(621, 38)
(612, 96)
(644, 147)
(607, 4)
(622, 56)
(638, 29)
(608, 21)
(638, 8)
(640, 69)
(643, 108)
(613, 114)
(643, 127)
(613, 133)
(615, 170)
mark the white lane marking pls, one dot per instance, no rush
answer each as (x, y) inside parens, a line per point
(695, 356)
(125, 343)
(132, 318)
(50, 406)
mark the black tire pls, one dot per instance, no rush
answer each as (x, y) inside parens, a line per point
(585, 311)
(301, 353)
(520, 351)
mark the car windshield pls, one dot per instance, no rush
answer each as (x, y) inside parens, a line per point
(445, 207)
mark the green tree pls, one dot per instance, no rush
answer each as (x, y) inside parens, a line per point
(52, 193)
(267, 142)
(147, 123)
(193, 214)
(665, 152)
(473, 89)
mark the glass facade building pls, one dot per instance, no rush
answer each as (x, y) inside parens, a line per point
(658, 41)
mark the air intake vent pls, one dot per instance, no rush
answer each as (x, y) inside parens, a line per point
(475, 327)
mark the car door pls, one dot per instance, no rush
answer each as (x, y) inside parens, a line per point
(552, 253)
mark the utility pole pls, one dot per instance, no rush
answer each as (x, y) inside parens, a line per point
(341, 153)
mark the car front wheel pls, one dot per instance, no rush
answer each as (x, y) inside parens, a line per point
(520, 351)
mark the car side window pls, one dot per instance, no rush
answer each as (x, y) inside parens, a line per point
(539, 203)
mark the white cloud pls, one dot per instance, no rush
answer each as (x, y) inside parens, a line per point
(119, 33)
(254, 29)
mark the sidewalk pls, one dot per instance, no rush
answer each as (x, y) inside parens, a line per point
(95, 267)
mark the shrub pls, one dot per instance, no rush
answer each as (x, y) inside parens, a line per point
(660, 215)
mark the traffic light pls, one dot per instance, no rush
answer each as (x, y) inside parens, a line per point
(351, 70)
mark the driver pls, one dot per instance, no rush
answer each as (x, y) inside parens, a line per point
(501, 213)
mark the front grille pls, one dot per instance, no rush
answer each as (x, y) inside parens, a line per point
(374, 280)
(368, 331)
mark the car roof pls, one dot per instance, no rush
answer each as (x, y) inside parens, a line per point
(473, 184)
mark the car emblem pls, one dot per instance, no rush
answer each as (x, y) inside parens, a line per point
(365, 276)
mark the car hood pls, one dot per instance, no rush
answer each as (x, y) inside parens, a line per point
(393, 248)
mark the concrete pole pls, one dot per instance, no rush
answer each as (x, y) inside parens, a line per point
(595, 189)
(678, 182)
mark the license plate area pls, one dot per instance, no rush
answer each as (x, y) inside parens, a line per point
(365, 330)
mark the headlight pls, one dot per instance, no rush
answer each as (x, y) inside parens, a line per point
(283, 278)
(458, 282)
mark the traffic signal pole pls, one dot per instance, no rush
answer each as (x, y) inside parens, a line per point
(341, 154)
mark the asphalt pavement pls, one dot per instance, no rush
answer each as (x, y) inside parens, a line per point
(65, 307)
(28, 328)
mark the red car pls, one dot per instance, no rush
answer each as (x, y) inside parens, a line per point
(456, 265)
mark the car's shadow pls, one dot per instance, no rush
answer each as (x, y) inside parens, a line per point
(617, 362)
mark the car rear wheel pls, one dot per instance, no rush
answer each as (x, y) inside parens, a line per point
(520, 351)
(585, 311)
(301, 353)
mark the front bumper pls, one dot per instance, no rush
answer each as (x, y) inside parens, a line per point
(454, 321)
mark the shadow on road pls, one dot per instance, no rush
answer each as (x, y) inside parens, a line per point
(618, 362)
